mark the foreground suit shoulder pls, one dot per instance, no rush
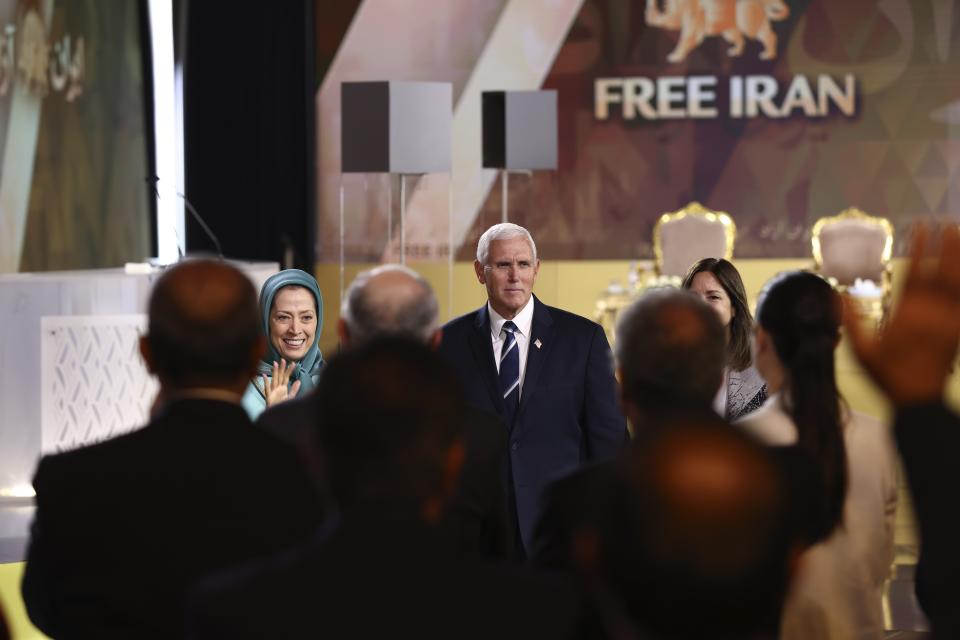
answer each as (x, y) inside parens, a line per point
(122, 528)
(562, 316)
(291, 421)
(419, 590)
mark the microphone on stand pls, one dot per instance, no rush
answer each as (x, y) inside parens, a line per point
(203, 225)
(154, 179)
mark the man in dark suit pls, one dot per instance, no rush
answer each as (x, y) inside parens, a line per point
(389, 423)
(124, 527)
(394, 300)
(547, 373)
(912, 361)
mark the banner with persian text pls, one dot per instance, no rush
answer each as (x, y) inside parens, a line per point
(778, 112)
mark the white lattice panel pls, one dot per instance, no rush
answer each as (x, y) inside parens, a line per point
(94, 382)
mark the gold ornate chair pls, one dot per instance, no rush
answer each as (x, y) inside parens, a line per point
(851, 246)
(694, 232)
(616, 297)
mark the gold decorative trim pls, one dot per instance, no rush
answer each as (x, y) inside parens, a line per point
(697, 210)
(851, 213)
(878, 312)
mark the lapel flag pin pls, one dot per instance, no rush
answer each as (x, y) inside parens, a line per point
(537, 343)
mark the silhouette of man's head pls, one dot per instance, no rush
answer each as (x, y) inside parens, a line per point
(204, 327)
(391, 411)
(698, 539)
(389, 300)
(670, 352)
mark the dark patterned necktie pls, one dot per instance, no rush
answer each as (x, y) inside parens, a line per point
(510, 371)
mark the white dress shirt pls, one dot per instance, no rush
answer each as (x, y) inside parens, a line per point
(524, 322)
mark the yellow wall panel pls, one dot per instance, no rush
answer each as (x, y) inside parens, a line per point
(20, 627)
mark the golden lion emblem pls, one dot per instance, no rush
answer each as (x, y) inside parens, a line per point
(732, 19)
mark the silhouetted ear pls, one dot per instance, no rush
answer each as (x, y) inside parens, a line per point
(343, 333)
(586, 551)
(435, 339)
(147, 354)
(618, 374)
(452, 465)
(795, 561)
(627, 407)
(761, 340)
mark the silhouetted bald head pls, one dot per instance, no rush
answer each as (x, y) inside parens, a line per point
(389, 300)
(698, 538)
(204, 325)
(670, 351)
(390, 411)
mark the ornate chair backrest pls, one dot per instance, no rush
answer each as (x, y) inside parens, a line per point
(853, 245)
(694, 232)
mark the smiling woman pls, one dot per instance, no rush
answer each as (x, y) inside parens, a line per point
(292, 309)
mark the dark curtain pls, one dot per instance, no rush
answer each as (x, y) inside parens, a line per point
(249, 132)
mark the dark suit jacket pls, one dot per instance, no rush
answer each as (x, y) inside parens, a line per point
(476, 521)
(928, 437)
(568, 409)
(292, 421)
(381, 577)
(124, 527)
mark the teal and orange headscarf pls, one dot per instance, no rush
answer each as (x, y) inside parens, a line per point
(307, 370)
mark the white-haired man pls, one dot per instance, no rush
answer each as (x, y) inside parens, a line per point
(547, 373)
